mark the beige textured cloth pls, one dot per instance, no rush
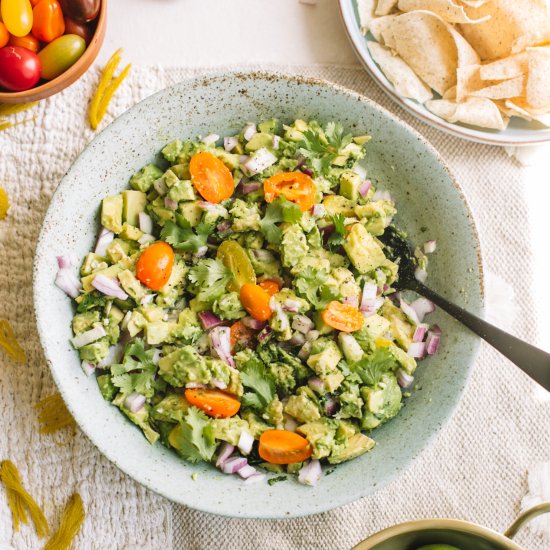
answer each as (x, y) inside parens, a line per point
(476, 470)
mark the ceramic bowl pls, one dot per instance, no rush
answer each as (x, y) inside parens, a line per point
(519, 132)
(430, 203)
(71, 75)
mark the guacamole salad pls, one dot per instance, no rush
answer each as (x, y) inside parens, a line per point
(238, 304)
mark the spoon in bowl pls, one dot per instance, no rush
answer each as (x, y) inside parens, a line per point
(531, 360)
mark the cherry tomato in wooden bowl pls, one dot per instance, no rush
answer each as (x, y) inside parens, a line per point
(29, 42)
(19, 68)
(81, 10)
(47, 21)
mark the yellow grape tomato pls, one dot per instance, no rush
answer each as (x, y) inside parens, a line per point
(61, 54)
(17, 16)
(235, 258)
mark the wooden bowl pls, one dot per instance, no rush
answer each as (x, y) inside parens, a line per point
(72, 74)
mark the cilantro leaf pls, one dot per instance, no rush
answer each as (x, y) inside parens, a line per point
(338, 238)
(280, 210)
(195, 438)
(312, 285)
(91, 300)
(373, 366)
(210, 277)
(254, 376)
(181, 235)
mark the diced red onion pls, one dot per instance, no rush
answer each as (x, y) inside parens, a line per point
(221, 344)
(263, 255)
(233, 465)
(417, 350)
(225, 452)
(364, 188)
(229, 143)
(302, 324)
(210, 139)
(327, 230)
(81, 340)
(104, 239)
(370, 291)
(306, 171)
(430, 246)
(312, 335)
(252, 323)
(247, 471)
(195, 385)
(432, 343)
(201, 252)
(254, 479)
(310, 474)
(109, 287)
(420, 275)
(68, 282)
(319, 210)
(261, 160)
(291, 305)
(420, 332)
(281, 316)
(208, 320)
(213, 208)
(146, 239)
(245, 442)
(64, 262)
(351, 301)
(222, 227)
(147, 299)
(113, 356)
(436, 330)
(220, 384)
(135, 402)
(156, 356)
(331, 405)
(291, 424)
(88, 368)
(382, 196)
(265, 335)
(145, 223)
(275, 142)
(297, 339)
(171, 204)
(249, 131)
(250, 187)
(404, 379)
(422, 306)
(160, 186)
(361, 171)
(409, 311)
(316, 384)
(305, 350)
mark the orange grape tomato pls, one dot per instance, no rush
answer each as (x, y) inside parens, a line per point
(343, 317)
(4, 35)
(296, 187)
(270, 286)
(29, 42)
(256, 301)
(215, 403)
(283, 447)
(48, 23)
(17, 16)
(235, 258)
(154, 266)
(211, 177)
(241, 334)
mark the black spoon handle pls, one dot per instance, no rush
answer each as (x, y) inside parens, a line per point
(531, 360)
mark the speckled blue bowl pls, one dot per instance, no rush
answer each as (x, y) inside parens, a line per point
(398, 159)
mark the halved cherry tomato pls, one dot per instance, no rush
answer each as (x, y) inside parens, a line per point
(154, 266)
(283, 447)
(239, 333)
(47, 20)
(296, 187)
(29, 42)
(235, 258)
(215, 403)
(343, 317)
(211, 177)
(4, 35)
(270, 286)
(256, 301)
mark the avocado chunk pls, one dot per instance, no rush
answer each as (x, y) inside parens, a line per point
(171, 409)
(144, 179)
(95, 351)
(363, 251)
(350, 182)
(256, 425)
(106, 387)
(130, 233)
(302, 408)
(376, 215)
(111, 213)
(191, 212)
(140, 418)
(182, 366)
(158, 332)
(85, 321)
(271, 126)
(325, 360)
(134, 203)
(375, 326)
(403, 358)
(382, 401)
(293, 246)
(258, 141)
(112, 271)
(332, 381)
(336, 204)
(93, 262)
(118, 250)
(229, 429)
(182, 190)
(357, 445)
(131, 285)
(321, 435)
(401, 329)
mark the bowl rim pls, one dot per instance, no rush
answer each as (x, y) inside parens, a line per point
(462, 132)
(301, 80)
(459, 525)
(72, 74)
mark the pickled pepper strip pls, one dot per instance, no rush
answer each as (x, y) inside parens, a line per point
(53, 415)
(4, 204)
(7, 110)
(19, 499)
(5, 124)
(109, 92)
(71, 521)
(9, 343)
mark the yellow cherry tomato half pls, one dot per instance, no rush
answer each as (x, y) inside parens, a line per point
(235, 258)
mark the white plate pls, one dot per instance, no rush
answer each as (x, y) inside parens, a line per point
(519, 131)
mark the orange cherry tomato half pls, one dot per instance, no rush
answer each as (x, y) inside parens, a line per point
(154, 266)
(270, 286)
(239, 333)
(256, 301)
(296, 187)
(283, 447)
(211, 177)
(343, 317)
(215, 403)
(47, 21)
(4, 35)
(29, 42)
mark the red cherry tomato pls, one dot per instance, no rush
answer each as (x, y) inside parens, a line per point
(29, 42)
(47, 20)
(19, 68)
(81, 29)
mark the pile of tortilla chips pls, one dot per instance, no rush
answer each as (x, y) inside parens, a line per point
(476, 62)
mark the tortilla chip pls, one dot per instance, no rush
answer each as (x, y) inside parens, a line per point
(537, 90)
(504, 69)
(475, 111)
(379, 25)
(514, 25)
(473, 3)
(399, 74)
(509, 108)
(468, 81)
(503, 90)
(384, 7)
(446, 9)
(365, 8)
(450, 93)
